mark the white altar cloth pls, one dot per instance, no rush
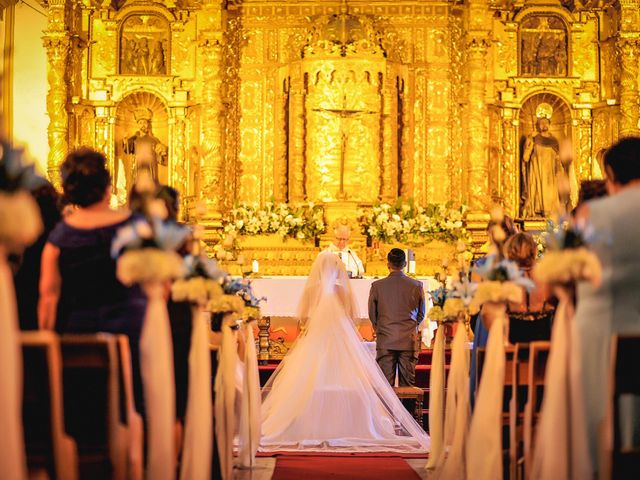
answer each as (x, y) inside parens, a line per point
(283, 294)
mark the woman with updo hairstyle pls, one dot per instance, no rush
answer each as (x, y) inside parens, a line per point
(79, 291)
(530, 320)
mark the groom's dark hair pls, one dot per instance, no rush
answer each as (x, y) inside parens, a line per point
(397, 258)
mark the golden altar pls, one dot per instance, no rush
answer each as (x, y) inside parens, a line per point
(340, 103)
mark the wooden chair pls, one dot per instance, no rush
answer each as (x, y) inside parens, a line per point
(412, 393)
(93, 404)
(49, 448)
(519, 390)
(538, 357)
(620, 462)
(129, 414)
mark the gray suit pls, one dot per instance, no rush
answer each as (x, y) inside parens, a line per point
(396, 308)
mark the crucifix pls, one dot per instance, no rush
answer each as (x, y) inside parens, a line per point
(344, 114)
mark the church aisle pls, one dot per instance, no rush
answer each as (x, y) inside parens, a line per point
(328, 467)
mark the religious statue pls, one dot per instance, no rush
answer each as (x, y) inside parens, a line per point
(147, 150)
(543, 51)
(541, 162)
(142, 46)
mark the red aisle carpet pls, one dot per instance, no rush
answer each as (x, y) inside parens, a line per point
(342, 468)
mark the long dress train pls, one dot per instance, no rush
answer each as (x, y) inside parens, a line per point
(329, 394)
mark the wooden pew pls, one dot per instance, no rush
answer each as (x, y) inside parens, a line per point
(538, 357)
(620, 462)
(49, 448)
(519, 390)
(92, 400)
(133, 420)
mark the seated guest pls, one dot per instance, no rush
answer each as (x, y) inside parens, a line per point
(530, 320)
(614, 306)
(340, 246)
(79, 291)
(27, 274)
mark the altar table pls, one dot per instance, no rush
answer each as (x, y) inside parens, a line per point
(283, 296)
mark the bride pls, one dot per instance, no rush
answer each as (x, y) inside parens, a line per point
(329, 394)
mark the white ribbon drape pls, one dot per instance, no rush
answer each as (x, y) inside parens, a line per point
(436, 400)
(250, 420)
(225, 388)
(561, 449)
(12, 454)
(156, 365)
(456, 424)
(484, 444)
(198, 435)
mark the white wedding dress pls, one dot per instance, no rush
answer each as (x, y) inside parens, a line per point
(329, 394)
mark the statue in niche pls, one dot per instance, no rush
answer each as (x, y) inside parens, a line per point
(146, 150)
(546, 182)
(143, 45)
(543, 47)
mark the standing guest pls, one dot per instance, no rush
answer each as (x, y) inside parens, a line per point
(614, 306)
(396, 308)
(340, 246)
(27, 275)
(79, 291)
(590, 190)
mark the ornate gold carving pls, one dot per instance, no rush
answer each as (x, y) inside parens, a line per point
(478, 177)
(144, 45)
(543, 46)
(57, 45)
(627, 50)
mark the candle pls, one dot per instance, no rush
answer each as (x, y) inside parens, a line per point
(412, 267)
(254, 266)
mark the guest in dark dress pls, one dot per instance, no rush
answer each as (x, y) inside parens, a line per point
(27, 264)
(79, 291)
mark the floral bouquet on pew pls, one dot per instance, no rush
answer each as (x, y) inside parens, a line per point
(567, 258)
(20, 226)
(20, 222)
(145, 250)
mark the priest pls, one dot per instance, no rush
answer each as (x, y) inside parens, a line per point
(340, 246)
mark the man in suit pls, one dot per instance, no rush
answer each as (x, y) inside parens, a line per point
(396, 308)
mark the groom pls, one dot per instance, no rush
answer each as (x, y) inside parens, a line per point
(396, 308)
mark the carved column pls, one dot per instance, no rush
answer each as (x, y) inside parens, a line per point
(509, 177)
(179, 171)
(477, 157)
(57, 42)
(627, 49)
(296, 140)
(583, 166)
(212, 112)
(389, 136)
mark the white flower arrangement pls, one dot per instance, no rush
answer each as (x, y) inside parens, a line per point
(20, 221)
(147, 265)
(303, 221)
(496, 292)
(413, 224)
(226, 304)
(197, 290)
(567, 259)
(567, 266)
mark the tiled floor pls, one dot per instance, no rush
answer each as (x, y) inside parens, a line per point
(265, 466)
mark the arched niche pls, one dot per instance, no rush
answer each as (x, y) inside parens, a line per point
(130, 112)
(535, 110)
